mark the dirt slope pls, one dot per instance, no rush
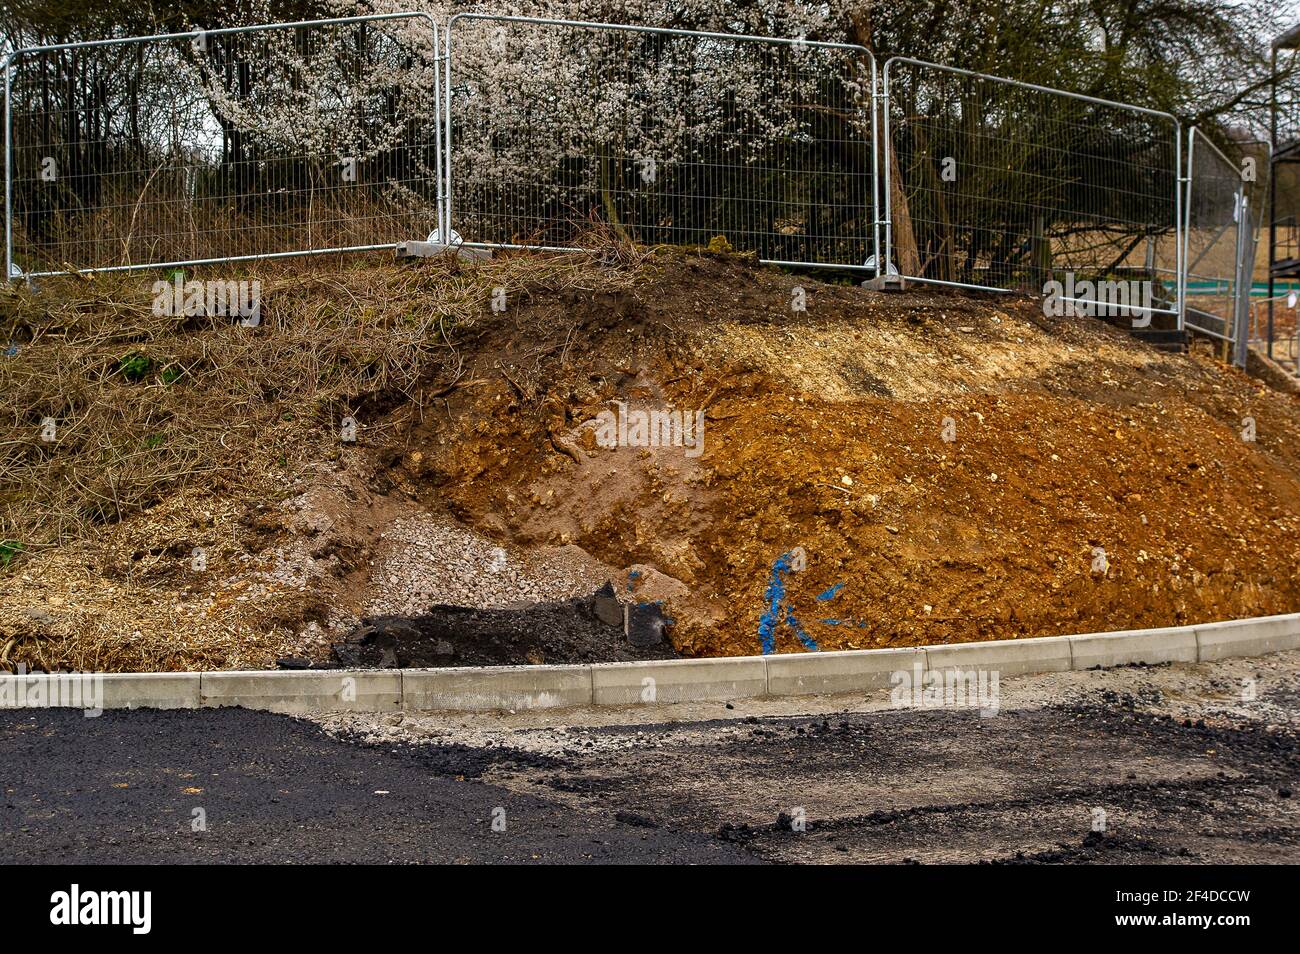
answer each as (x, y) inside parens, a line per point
(952, 469)
(826, 430)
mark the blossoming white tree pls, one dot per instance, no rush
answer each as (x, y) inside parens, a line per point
(666, 137)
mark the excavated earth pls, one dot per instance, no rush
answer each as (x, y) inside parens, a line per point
(932, 467)
(954, 469)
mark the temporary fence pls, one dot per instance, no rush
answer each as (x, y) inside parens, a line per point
(1270, 318)
(1000, 185)
(562, 130)
(515, 132)
(1273, 329)
(1252, 223)
(1272, 323)
(1217, 238)
(247, 142)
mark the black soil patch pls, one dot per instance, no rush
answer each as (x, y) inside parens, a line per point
(457, 760)
(580, 630)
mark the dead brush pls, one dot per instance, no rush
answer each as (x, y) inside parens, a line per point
(185, 416)
(145, 403)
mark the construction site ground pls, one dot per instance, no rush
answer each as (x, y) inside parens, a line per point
(952, 467)
(1170, 764)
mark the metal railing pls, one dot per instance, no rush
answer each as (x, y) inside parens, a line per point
(1218, 239)
(1252, 225)
(240, 143)
(1273, 325)
(997, 185)
(558, 128)
(1288, 240)
(359, 133)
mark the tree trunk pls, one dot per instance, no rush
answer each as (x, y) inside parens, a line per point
(904, 254)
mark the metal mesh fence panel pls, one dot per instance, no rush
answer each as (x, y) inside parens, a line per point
(1273, 324)
(1285, 214)
(283, 139)
(1000, 185)
(1216, 229)
(564, 132)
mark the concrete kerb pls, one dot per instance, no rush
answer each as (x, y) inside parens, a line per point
(799, 674)
(1010, 657)
(679, 680)
(295, 691)
(659, 681)
(1247, 637)
(162, 690)
(95, 691)
(1174, 644)
(483, 689)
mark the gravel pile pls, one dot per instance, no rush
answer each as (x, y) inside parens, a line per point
(426, 560)
(448, 729)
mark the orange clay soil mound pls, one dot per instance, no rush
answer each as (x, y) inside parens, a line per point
(952, 468)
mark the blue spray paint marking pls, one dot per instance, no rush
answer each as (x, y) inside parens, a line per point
(774, 593)
(11, 351)
(808, 642)
(668, 620)
(775, 596)
(830, 594)
(632, 577)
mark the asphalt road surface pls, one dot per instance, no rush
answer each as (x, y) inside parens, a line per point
(1176, 763)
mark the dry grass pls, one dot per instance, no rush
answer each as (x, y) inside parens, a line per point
(149, 407)
(144, 404)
